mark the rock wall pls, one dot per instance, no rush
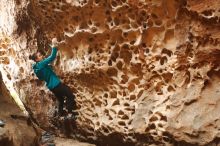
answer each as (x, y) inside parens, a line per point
(13, 133)
(144, 72)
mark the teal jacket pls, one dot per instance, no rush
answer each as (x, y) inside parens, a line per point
(44, 71)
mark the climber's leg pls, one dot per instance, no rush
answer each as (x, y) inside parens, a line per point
(58, 92)
(60, 105)
(70, 101)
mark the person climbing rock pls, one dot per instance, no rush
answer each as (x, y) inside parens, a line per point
(44, 72)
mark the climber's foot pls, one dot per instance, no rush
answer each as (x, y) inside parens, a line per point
(61, 118)
(70, 116)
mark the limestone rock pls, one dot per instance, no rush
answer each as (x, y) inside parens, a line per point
(144, 72)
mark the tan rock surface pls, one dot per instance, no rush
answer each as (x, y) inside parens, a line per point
(144, 72)
(18, 129)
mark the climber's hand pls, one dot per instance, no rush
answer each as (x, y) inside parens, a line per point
(54, 42)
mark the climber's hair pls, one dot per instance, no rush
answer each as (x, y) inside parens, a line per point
(34, 56)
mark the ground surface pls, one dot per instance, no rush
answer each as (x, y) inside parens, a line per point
(69, 142)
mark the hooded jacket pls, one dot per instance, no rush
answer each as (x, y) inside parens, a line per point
(44, 72)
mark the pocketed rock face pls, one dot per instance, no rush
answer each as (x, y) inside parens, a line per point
(144, 72)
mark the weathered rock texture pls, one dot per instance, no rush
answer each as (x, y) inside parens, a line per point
(144, 72)
(18, 129)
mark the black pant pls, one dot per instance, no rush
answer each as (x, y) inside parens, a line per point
(62, 91)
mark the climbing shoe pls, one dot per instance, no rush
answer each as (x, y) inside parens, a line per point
(70, 116)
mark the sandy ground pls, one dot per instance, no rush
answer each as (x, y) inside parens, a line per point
(69, 142)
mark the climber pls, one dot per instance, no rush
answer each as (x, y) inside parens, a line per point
(44, 72)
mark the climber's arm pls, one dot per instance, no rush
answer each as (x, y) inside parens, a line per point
(52, 56)
(49, 59)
